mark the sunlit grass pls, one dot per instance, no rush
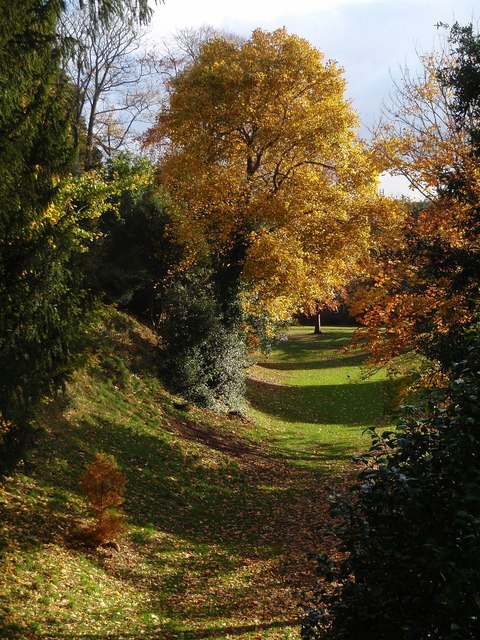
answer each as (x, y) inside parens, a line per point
(217, 527)
(314, 400)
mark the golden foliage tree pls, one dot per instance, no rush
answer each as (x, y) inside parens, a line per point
(264, 170)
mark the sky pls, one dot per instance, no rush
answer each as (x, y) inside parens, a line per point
(370, 39)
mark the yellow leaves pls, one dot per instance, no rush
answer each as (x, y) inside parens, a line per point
(5, 426)
(282, 278)
(80, 200)
(279, 277)
(258, 142)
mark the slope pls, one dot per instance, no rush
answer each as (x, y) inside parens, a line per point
(219, 522)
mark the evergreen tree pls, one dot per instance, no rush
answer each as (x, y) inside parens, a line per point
(42, 299)
(41, 304)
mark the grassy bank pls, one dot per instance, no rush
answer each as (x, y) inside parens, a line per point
(219, 518)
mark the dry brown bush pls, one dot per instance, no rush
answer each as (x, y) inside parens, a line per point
(103, 484)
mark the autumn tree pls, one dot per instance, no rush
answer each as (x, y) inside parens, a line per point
(423, 288)
(411, 520)
(103, 484)
(267, 180)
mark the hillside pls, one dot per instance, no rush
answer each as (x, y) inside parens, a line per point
(219, 521)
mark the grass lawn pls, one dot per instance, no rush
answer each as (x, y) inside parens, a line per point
(220, 514)
(313, 399)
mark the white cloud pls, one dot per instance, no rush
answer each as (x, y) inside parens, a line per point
(194, 13)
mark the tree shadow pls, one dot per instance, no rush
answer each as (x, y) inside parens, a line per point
(168, 486)
(235, 509)
(327, 363)
(347, 404)
(236, 500)
(166, 632)
(328, 341)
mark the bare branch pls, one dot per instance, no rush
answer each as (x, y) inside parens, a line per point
(105, 62)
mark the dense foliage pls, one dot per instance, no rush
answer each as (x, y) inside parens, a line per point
(45, 212)
(204, 353)
(40, 295)
(411, 527)
(423, 288)
(267, 177)
(130, 261)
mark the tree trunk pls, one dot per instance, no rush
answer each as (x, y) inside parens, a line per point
(318, 325)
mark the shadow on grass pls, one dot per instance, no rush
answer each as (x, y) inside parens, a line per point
(234, 514)
(178, 493)
(330, 339)
(326, 363)
(167, 485)
(345, 404)
(324, 452)
(204, 497)
(163, 633)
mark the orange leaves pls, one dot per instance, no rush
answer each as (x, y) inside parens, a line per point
(422, 290)
(104, 485)
(414, 296)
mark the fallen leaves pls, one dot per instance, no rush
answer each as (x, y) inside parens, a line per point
(219, 532)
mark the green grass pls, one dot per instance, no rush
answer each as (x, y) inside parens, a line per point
(314, 399)
(219, 522)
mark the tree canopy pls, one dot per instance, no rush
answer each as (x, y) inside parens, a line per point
(265, 173)
(39, 294)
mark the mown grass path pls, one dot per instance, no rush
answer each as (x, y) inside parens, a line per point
(220, 520)
(313, 398)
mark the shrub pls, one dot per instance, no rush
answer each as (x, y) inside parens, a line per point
(411, 528)
(103, 484)
(133, 253)
(203, 356)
